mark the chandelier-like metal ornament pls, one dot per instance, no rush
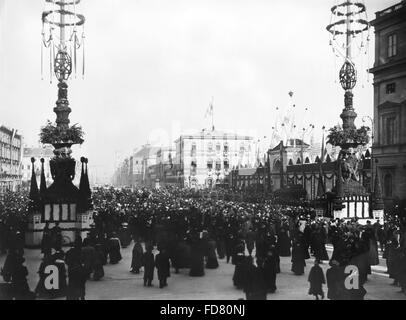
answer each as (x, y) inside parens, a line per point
(63, 34)
(349, 37)
(348, 76)
(63, 66)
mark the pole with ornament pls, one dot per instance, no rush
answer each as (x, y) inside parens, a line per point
(62, 202)
(349, 38)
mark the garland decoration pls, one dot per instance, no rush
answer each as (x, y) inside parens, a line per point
(339, 137)
(52, 134)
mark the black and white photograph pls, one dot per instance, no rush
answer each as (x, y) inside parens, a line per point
(202, 153)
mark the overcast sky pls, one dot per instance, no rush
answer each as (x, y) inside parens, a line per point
(152, 67)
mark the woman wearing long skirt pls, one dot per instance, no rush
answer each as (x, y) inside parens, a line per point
(316, 279)
(212, 262)
(19, 285)
(114, 249)
(241, 263)
(270, 269)
(319, 245)
(77, 281)
(98, 263)
(284, 242)
(254, 285)
(221, 247)
(298, 258)
(136, 261)
(197, 259)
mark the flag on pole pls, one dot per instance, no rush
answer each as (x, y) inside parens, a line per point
(210, 113)
(321, 188)
(209, 110)
(14, 132)
(323, 148)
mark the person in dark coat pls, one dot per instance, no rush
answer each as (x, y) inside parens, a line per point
(46, 242)
(19, 285)
(98, 263)
(240, 261)
(77, 273)
(335, 277)
(391, 253)
(77, 281)
(197, 258)
(104, 249)
(3, 235)
(56, 236)
(401, 270)
(88, 258)
(149, 266)
(306, 239)
(284, 242)
(125, 235)
(319, 244)
(114, 246)
(316, 279)
(181, 256)
(332, 277)
(221, 246)
(136, 261)
(230, 245)
(298, 257)
(163, 267)
(212, 262)
(254, 284)
(250, 240)
(270, 268)
(74, 253)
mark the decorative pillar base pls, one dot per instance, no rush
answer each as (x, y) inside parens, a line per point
(70, 229)
(338, 214)
(378, 215)
(33, 234)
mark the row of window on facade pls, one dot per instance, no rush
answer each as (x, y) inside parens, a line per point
(14, 154)
(226, 149)
(5, 138)
(226, 165)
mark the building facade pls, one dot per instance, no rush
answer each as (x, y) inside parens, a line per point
(205, 159)
(46, 153)
(389, 147)
(305, 177)
(10, 159)
(134, 170)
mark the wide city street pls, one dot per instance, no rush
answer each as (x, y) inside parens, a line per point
(120, 284)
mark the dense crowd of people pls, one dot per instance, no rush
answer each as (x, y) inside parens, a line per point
(173, 229)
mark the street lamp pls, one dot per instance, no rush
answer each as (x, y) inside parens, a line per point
(364, 119)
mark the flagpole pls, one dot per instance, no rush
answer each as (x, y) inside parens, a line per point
(212, 113)
(321, 163)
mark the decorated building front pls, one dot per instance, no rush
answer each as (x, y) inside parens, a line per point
(205, 159)
(10, 159)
